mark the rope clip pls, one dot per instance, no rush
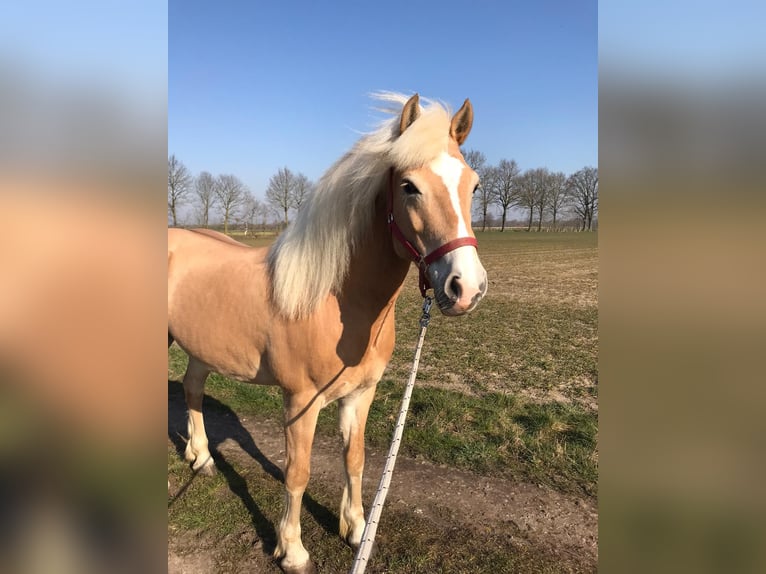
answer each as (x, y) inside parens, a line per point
(426, 317)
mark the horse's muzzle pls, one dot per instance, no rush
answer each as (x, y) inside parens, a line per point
(459, 282)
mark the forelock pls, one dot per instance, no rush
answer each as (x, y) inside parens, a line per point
(423, 141)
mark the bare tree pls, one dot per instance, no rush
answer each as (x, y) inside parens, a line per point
(541, 177)
(264, 214)
(302, 189)
(252, 209)
(527, 197)
(230, 195)
(558, 198)
(204, 191)
(281, 192)
(583, 188)
(504, 190)
(179, 184)
(475, 159)
(483, 196)
(533, 194)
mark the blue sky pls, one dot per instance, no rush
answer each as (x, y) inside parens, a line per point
(254, 86)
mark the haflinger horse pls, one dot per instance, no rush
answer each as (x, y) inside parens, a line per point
(314, 313)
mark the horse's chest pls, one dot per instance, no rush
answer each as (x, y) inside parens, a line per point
(352, 379)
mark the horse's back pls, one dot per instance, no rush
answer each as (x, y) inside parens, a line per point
(217, 235)
(177, 236)
(198, 247)
(199, 254)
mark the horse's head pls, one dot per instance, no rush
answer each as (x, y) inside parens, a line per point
(430, 213)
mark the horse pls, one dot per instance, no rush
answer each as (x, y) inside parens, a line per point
(314, 313)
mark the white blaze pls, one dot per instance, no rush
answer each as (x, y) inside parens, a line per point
(463, 262)
(450, 169)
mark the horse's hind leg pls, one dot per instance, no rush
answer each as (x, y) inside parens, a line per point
(197, 451)
(352, 416)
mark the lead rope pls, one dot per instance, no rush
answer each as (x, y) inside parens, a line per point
(371, 527)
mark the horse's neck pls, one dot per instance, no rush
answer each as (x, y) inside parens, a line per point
(375, 272)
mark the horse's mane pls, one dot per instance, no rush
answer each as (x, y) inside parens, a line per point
(310, 258)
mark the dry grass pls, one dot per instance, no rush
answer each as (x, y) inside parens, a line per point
(534, 335)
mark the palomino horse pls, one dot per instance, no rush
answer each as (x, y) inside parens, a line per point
(314, 314)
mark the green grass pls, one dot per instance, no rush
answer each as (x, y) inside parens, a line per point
(507, 347)
(495, 434)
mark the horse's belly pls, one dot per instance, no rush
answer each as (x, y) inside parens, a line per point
(216, 324)
(243, 366)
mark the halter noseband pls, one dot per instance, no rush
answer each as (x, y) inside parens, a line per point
(421, 261)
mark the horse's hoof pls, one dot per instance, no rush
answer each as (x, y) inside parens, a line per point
(354, 545)
(351, 536)
(207, 468)
(307, 568)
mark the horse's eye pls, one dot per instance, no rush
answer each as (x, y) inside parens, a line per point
(409, 188)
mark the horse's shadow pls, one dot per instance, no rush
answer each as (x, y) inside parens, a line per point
(233, 429)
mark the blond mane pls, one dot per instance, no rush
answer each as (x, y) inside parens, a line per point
(310, 258)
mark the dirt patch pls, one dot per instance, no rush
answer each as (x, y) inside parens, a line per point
(197, 553)
(567, 277)
(577, 391)
(536, 518)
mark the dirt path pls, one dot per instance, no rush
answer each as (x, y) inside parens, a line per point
(535, 517)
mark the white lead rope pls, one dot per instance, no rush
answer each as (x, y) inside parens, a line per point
(371, 527)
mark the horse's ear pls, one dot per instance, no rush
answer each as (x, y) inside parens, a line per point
(462, 122)
(410, 112)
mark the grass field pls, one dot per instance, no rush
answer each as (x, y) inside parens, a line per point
(508, 392)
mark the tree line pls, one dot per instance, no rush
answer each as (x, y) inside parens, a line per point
(225, 199)
(544, 196)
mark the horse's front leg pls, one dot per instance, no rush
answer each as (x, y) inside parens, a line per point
(352, 416)
(300, 424)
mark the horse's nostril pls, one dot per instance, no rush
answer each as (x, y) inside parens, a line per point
(454, 285)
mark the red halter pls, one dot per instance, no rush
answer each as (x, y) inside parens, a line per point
(421, 261)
